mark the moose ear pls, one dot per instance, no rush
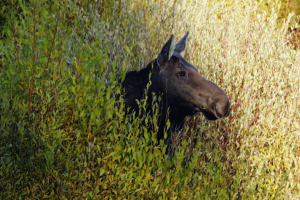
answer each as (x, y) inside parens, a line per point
(167, 51)
(181, 45)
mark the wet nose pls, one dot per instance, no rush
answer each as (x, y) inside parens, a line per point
(222, 105)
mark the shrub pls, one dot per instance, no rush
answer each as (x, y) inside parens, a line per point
(64, 134)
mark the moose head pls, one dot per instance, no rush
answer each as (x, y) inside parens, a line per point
(184, 87)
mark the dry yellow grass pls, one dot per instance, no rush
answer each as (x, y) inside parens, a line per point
(242, 49)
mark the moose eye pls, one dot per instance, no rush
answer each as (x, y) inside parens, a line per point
(181, 74)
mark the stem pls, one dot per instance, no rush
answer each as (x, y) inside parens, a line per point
(51, 48)
(17, 48)
(33, 58)
(286, 9)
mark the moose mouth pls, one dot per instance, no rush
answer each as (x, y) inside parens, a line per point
(210, 115)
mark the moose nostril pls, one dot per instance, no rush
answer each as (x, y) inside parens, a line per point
(222, 106)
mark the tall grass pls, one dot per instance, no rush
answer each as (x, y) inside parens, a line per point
(63, 132)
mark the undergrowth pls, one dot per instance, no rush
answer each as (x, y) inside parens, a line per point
(63, 132)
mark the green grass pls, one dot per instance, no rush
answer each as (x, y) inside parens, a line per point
(63, 132)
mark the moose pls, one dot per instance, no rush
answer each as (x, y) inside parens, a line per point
(183, 91)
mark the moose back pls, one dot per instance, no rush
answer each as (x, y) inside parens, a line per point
(184, 92)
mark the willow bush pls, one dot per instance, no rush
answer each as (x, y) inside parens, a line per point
(64, 134)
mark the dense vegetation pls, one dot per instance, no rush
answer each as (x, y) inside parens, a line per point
(63, 133)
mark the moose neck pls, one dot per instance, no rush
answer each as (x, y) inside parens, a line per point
(175, 112)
